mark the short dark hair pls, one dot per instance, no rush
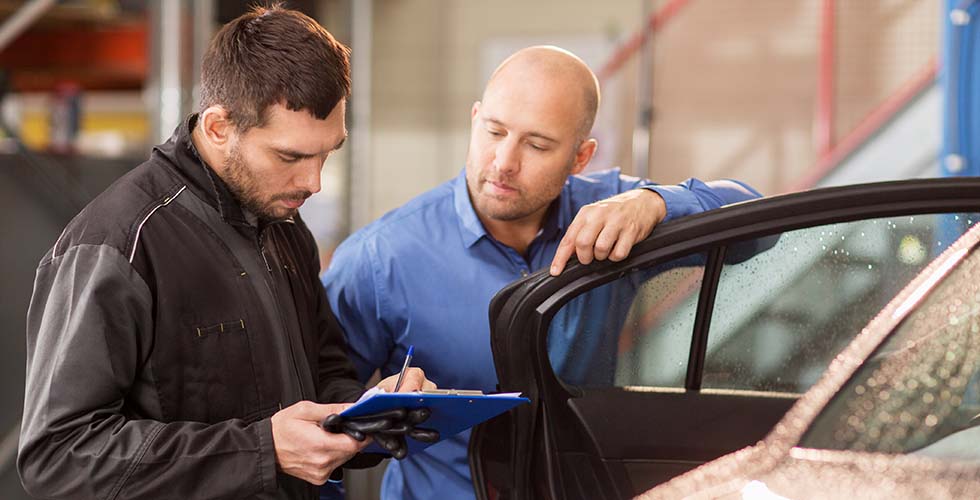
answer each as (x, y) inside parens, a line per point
(272, 55)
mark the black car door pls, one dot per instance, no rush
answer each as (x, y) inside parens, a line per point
(700, 341)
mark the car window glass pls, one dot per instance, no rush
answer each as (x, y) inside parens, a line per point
(920, 391)
(780, 316)
(635, 330)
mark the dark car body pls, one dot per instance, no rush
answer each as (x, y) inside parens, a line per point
(701, 341)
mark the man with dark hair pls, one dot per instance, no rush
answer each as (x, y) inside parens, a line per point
(179, 344)
(424, 273)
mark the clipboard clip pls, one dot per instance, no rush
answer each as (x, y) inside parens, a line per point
(452, 392)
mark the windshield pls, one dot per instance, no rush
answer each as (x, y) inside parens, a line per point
(919, 392)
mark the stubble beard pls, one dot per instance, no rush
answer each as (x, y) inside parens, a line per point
(519, 207)
(244, 185)
(506, 210)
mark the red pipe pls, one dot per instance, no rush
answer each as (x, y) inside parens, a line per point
(635, 42)
(824, 119)
(868, 126)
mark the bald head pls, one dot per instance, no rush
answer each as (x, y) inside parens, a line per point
(551, 66)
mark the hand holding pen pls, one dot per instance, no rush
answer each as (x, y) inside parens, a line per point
(401, 374)
(408, 379)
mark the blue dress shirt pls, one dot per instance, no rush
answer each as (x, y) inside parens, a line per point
(424, 275)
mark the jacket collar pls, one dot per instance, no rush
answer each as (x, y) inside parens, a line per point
(181, 153)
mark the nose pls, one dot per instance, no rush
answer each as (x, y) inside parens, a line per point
(310, 178)
(507, 158)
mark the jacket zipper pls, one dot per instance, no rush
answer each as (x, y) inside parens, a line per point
(282, 321)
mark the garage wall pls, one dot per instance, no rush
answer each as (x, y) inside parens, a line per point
(735, 82)
(427, 74)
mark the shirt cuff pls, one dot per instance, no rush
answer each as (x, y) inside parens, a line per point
(678, 200)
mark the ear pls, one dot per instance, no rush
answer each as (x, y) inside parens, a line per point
(216, 128)
(584, 155)
(474, 110)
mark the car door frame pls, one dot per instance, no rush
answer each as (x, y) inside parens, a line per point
(522, 458)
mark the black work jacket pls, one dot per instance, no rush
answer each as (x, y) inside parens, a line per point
(164, 332)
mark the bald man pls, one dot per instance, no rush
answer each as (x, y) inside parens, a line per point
(424, 273)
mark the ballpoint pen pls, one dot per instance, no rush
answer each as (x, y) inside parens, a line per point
(401, 375)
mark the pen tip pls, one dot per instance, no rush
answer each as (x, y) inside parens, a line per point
(411, 349)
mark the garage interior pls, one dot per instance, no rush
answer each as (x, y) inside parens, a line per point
(786, 95)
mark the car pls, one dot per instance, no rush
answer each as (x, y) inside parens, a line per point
(699, 342)
(897, 415)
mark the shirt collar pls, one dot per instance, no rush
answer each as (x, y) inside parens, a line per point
(470, 227)
(558, 218)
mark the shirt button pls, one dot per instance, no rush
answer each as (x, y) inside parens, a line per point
(524, 273)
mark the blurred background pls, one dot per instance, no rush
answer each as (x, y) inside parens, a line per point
(783, 94)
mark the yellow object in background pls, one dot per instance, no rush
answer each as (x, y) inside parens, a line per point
(34, 130)
(132, 128)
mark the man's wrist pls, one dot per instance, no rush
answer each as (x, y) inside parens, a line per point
(658, 205)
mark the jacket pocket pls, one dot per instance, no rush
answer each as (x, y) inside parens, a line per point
(228, 327)
(218, 382)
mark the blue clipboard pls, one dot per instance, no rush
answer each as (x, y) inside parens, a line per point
(451, 413)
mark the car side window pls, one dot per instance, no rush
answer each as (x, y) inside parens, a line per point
(782, 315)
(634, 331)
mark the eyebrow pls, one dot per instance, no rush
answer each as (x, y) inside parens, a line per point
(530, 134)
(303, 156)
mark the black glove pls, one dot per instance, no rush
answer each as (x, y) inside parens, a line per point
(388, 428)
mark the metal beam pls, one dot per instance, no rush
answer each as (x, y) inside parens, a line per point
(166, 90)
(961, 153)
(203, 15)
(360, 169)
(23, 19)
(824, 121)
